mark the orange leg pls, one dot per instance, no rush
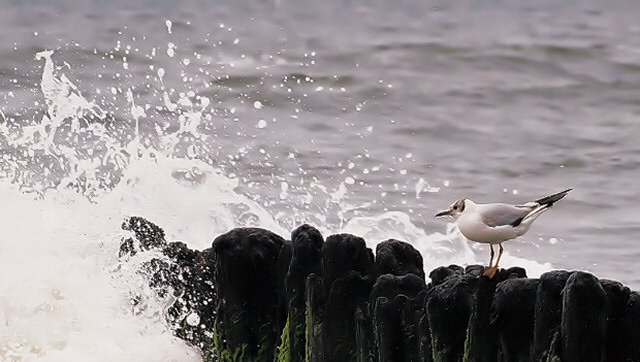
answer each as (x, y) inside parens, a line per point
(490, 271)
(491, 260)
(499, 255)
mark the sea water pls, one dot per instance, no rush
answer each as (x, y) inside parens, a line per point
(358, 117)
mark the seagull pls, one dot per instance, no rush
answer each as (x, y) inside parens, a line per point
(496, 223)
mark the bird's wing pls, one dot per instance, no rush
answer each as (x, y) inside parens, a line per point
(549, 200)
(495, 215)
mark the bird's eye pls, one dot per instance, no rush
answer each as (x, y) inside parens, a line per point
(455, 207)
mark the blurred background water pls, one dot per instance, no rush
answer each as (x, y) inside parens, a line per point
(354, 116)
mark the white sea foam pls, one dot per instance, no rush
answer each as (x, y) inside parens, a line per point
(65, 295)
(61, 299)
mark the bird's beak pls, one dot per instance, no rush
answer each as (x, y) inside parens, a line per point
(444, 213)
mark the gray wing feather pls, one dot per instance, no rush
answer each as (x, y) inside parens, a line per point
(495, 215)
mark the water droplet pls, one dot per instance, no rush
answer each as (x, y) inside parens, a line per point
(193, 319)
(283, 190)
(171, 49)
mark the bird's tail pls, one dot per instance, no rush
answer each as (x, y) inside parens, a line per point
(544, 204)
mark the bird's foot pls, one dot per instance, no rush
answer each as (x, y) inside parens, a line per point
(490, 271)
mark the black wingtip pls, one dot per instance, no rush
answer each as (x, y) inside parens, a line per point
(551, 199)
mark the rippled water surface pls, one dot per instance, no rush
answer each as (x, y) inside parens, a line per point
(353, 116)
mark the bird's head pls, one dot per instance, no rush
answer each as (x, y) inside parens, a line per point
(455, 210)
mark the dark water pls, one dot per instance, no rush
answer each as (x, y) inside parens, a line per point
(365, 117)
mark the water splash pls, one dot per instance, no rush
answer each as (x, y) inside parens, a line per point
(71, 145)
(62, 302)
(62, 97)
